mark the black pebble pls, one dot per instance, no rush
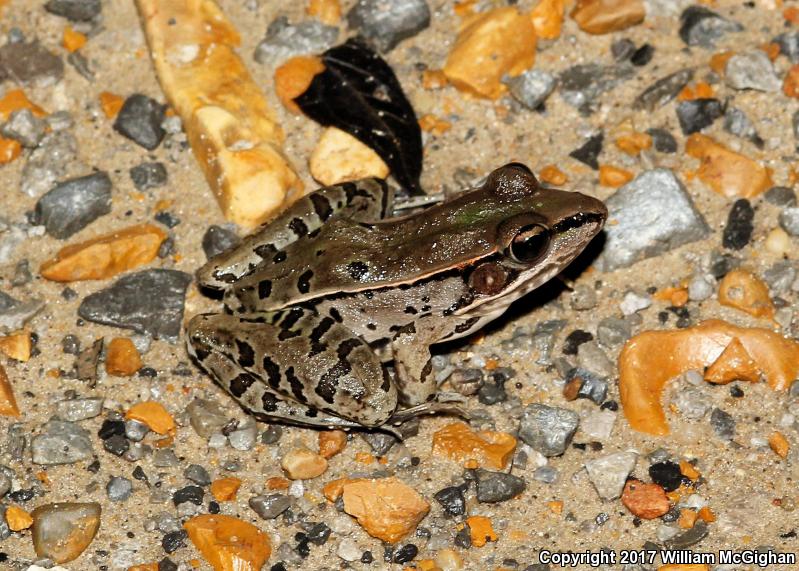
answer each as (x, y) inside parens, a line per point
(20, 496)
(696, 114)
(574, 340)
(73, 204)
(139, 474)
(70, 344)
(167, 219)
(642, 55)
(663, 141)
(75, 10)
(589, 151)
(780, 196)
(213, 507)
(735, 391)
(406, 553)
(193, 494)
(622, 50)
(166, 564)
(140, 121)
(218, 239)
(463, 538)
(367, 557)
(739, 228)
(452, 500)
(174, 540)
(110, 428)
(667, 475)
(116, 445)
(319, 534)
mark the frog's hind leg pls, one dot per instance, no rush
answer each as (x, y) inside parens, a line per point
(363, 200)
(294, 363)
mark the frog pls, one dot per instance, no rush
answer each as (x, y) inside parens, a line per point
(331, 308)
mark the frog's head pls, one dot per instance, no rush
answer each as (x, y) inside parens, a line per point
(541, 232)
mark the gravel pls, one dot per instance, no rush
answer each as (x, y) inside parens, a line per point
(609, 473)
(193, 494)
(74, 204)
(548, 429)
(751, 70)
(780, 196)
(61, 443)
(531, 88)
(739, 124)
(582, 85)
(197, 474)
(452, 500)
(387, 22)
(150, 301)
(723, 424)
(494, 487)
(207, 417)
(662, 140)
(140, 120)
(653, 214)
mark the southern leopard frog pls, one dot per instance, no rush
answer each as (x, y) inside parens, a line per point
(321, 298)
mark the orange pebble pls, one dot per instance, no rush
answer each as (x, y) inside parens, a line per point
(687, 518)
(434, 125)
(614, 176)
(791, 14)
(331, 442)
(154, 415)
(278, 483)
(433, 79)
(110, 103)
(688, 470)
(122, 358)
(548, 18)
(779, 444)
(551, 174)
(225, 489)
(556, 507)
(18, 519)
(15, 100)
(9, 150)
(718, 61)
(790, 85)
(326, 11)
(481, 530)
(72, 40)
(634, 143)
(707, 515)
(294, 77)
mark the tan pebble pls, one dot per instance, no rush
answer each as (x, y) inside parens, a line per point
(8, 404)
(122, 358)
(779, 243)
(386, 508)
(18, 519)
(228, 543)
(17, 346)
(482, 54)
(331, 442)
(779, 444)
(734, 364)
(743, 290)
(647, 501)
(340, 157)
(303, 464)
(62, 531)
(449, 560)
(105, 256)
(728, 173)
(488, 448)
(605, 16)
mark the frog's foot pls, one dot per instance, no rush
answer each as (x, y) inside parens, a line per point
(431, 407)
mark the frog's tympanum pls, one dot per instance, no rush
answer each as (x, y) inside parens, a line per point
(322, 298)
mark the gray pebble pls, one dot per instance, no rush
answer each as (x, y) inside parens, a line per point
(6, 480)
(751, 70)
(61, 443)
(79, 409)
(691, 402)
(466, 381)
(74, 204)
(548, 429)
(612, 332)
(135, 431)
(582, 85)
(780, 196)
(119, 489)
(780, 277)
(14, 313)
(583, 298)
(140, 119)
(244, 438)
(546, 474)
(723, 424)
(737, 123)
(702, 27)
(284, 40)
(662, 140)
(271, 435)
(593, 387)
(531, 88)
(48, 162)
(165, 458)
(22, 274)
(387, 22)
(148, 175)
(150, 301)
(379, 442)
(609, 473)
(696, 114)
(789, 220)
(664, 90)
(60, 120)
(31, 64)
(218, 239)
(700, 288)
(789, 45)
(206, 417)
(654, 214)
(591, 357)
(793, 392)
(197, 474)
(544, 339)
(75, 10)
(271, 506)
(25, 127)
(493, 487)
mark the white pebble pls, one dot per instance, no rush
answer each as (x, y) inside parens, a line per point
(348, 550)
(633, 303)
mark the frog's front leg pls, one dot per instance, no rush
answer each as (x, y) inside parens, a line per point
(295, 362)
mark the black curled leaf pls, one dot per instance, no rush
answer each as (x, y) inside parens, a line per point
(359, 93)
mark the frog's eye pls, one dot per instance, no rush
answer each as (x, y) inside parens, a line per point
(530, 244)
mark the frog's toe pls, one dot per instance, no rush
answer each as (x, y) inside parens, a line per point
(432, 407)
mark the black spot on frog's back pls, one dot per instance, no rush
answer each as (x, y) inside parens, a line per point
(272, 371)
(304, 281)
(298, 227)
(321, 206)
(269, 402)
(240, 384)
(246, 354)
(358, 270)
(264, 289)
